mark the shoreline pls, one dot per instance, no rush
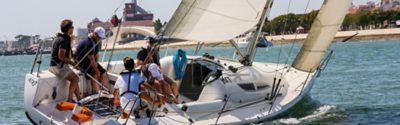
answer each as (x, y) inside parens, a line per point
(376, 34)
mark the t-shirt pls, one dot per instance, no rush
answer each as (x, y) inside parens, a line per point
(155, 71)
(83, 48)
(142, 54)
(61, 41)
(122, 84)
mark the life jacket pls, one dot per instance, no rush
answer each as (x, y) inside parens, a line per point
(136, 77)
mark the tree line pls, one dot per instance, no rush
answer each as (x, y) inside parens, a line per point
(362, 20)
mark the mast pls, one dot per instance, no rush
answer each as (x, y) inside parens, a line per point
(249, 58)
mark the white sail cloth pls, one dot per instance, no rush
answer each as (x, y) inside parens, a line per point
(325, 26)
(214, 20)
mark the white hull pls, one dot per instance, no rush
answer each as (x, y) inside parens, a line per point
(242, 43)
(247, 88)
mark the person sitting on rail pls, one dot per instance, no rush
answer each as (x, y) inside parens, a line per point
(61, 57)
(149, 59)
(87, 54)
(171, 90)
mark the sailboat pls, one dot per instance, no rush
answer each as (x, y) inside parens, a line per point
(215, 90)
(243, 41)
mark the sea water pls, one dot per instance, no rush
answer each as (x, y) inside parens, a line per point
(361, 84)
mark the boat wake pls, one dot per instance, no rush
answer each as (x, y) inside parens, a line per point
(309, 111)
(322, 113)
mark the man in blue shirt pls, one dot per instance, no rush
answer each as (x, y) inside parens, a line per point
(87, 53)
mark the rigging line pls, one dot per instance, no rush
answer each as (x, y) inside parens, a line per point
(254, 104)
(284, 25)
(130, 112)
(115, 11)
(124, 109)
(115, 41)
(153, 109)
(175, 119)
(105, 50)
(120, 4)
(295, 37)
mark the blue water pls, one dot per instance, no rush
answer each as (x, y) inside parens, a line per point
(360, 85)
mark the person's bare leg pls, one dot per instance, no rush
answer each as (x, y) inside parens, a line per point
(166, 87)
(74, 86)
(158, 86)
(124, 115)
(146, 97)
(173, 87)
(95, 86)
(175, 90)
(106, 81)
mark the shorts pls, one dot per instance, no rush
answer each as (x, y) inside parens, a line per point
(62, 71)
(89, 70)
(129, 103)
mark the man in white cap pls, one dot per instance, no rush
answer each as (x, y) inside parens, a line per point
(87, 53)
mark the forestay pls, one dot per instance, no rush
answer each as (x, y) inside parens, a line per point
(214, 20)
(322, 32)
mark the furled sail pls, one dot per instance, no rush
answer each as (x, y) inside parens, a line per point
(322, 32)
(214, 20)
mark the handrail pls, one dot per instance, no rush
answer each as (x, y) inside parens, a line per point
(39, 62)
(324, 63)
(304, 83)
(37, 54)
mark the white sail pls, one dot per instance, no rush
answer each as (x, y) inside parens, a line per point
(214, 20)
(325, 26)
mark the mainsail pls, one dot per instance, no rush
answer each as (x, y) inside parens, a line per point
(322, 32)
(214, 20)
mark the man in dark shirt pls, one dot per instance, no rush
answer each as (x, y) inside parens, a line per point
(87, 53)
(61, 57)
(150, 49)
(149, 59)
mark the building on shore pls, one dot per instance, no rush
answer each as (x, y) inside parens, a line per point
(12, 46)
(384, 5)
(390, 5)
(134, 16)
(2, 45)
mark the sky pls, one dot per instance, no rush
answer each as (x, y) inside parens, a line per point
(42, 17)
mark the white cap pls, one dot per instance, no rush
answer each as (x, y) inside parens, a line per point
(100, 32)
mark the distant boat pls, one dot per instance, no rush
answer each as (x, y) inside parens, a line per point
(33, 49)
(244, 41)
(12, 53)
(215, 90)
(264, 43)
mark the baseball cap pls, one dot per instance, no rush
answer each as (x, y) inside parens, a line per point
(100, 32)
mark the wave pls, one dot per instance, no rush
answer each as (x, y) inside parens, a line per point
(309, 111)
(321, 114)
